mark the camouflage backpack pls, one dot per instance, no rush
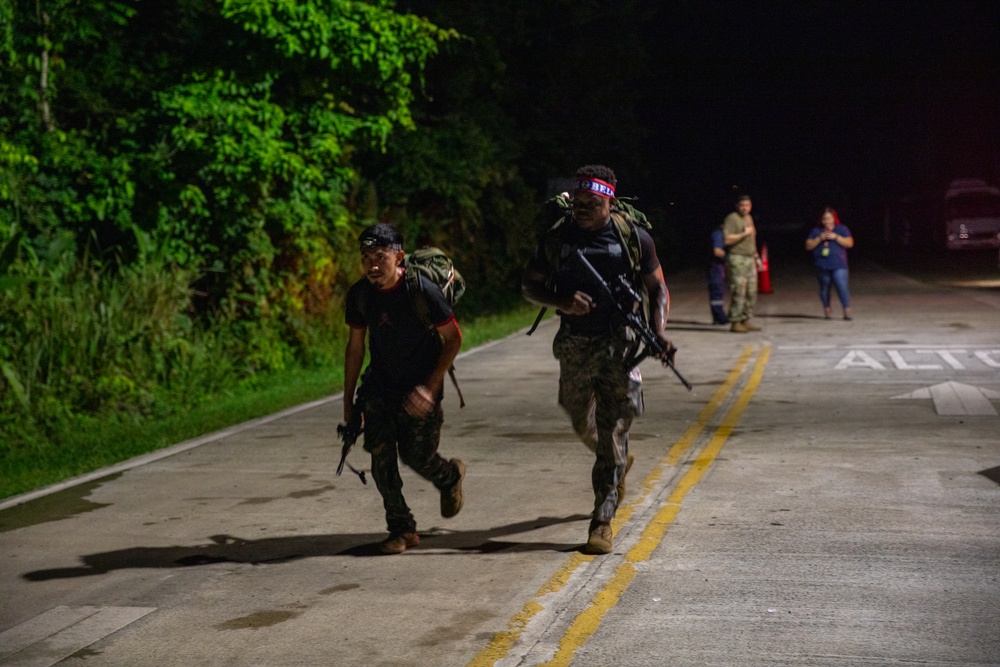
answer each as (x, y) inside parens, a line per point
(435, 265)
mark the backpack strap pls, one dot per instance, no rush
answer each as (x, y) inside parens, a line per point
(458, 390)
(628, 234)
(418, 299)
(627, 231)
(538, 320)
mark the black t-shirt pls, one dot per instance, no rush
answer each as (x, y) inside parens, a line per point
(403, 350)
(605, 252)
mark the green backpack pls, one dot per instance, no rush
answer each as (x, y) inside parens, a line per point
(435, 265)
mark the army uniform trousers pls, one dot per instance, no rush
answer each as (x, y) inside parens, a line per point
(742, 273)
(601, 397)
(392, 435)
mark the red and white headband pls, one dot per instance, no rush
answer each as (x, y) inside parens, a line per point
(597, 186)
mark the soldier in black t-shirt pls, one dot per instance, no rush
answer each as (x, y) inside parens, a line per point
(403, 381)
(597, 390)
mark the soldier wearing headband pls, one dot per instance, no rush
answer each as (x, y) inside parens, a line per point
(598, 392)
(403, 381)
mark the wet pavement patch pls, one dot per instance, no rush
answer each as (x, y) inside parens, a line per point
(260, 619)
(339, 589)
(311, 492)
(54, 507)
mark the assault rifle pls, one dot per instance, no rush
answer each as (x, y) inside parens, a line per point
(626, 292)
(349, 433)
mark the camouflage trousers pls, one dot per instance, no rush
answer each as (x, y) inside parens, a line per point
(601, 398)
(390, 435)
(742, 274)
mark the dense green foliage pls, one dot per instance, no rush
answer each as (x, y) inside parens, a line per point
(182, 183)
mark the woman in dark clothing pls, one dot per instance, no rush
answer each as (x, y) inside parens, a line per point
(828, 242)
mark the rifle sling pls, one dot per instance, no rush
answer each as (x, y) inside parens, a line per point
(538, 319)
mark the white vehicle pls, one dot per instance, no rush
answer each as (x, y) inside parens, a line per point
(972, 215)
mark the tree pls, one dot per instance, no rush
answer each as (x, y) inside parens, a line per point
(219, 134)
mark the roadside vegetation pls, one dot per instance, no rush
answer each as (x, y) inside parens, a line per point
(182, 185)
(80, 443)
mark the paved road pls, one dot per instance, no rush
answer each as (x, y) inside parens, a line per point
(828, 494)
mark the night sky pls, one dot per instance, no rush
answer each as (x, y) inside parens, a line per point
(802, 104)
(808, 104)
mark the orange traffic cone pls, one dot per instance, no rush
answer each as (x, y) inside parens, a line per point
(764, 275)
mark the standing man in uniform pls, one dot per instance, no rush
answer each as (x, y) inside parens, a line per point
(403, 382)
(742, 264)
(597, 390)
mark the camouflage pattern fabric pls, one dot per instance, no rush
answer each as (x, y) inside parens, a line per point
(390, 435)
(742, 274)
(601, 398)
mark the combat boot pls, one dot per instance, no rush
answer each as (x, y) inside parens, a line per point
(599, 541)
(397, 543)
(451, 498)
(738, 327)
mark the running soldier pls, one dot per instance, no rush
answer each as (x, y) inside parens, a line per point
(597, 390)
(403, 382)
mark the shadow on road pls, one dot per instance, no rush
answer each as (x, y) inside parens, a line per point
(992, 474)
(230, 549)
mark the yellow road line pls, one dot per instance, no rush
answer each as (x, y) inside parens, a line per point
(675, 453)
(586, 624)
(503, 641)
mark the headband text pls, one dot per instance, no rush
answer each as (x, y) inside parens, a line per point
(597, 186)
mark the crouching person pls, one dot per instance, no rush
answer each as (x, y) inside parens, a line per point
(403, 382)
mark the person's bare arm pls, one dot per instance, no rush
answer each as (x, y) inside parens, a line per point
(354, 358)
(420, 402)
(659, 307)
(534, 288)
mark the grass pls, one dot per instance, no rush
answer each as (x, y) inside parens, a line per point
(95, 444)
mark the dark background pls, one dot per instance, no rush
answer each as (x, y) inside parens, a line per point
(800, 104)
(805, 105)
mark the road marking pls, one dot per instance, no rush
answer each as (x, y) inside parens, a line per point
(955, 398)
(586, 623)
(948, 356)
(62, 631)
(903, 365)
(860, 358)
(986, 356)
(503, 642)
